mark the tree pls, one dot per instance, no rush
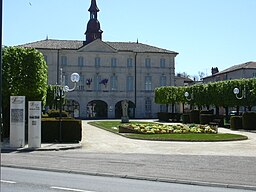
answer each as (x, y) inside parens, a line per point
(212, 94)
(25, 73)
(201, 75)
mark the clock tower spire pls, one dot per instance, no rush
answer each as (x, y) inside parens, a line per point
(93, 30)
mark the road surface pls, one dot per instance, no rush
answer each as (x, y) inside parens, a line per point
(24, 180)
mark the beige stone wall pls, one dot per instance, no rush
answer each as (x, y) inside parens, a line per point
(106, 71)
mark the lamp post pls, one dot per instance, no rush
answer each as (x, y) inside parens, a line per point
(61, 90)
(186, 94)
(236, 91)
(188, 98)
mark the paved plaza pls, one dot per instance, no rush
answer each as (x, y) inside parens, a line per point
(98, 140)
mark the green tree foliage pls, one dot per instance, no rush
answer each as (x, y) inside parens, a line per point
(216, 94)
(25, 73)
(50, 99)
(53, 98)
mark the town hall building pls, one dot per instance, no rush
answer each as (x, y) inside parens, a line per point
(110, 72)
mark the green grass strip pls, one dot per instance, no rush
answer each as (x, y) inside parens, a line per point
(112, 126)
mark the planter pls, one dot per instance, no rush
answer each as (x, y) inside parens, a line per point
(194, 116)
(163, 116)
(249, 121)
(206, 119)
(185, 118)
(71, 130)
(236, 122)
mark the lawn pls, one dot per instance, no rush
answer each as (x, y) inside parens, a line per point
(112, 126)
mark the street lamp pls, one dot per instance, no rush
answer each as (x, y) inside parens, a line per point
(61, 90)
(236, 91)
(186, 94)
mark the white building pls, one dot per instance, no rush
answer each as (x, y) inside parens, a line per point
(109, 72)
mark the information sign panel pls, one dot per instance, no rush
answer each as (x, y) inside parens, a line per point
(17, 121)
(34, 124)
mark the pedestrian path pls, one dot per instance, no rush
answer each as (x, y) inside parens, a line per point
(101, 141)
(5, 147)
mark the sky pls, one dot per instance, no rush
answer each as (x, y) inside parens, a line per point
(205, 33)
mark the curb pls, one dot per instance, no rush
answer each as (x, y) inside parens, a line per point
(155, 179)
(29, 149)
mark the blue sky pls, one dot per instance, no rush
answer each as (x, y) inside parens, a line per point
(205, 33)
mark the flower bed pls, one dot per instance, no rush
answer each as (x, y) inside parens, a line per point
(166, 129)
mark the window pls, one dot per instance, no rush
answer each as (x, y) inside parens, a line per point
(148, 83)
(253, 74)
(148, 105)
(64, 60)
(162, 63)
(97, 80)
(80, 61)
(81, 83)
(113, 83)
(97, 62)
(147, 62)
(113, 62)
(163, 108)
(129, 62)
(129, 83)
(163, 80)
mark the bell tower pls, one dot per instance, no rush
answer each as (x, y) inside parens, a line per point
(93, 30)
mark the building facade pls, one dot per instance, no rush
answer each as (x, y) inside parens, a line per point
(110, 72)
(245, 70)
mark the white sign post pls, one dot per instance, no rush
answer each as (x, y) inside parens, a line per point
(17, 121)
(34, 124)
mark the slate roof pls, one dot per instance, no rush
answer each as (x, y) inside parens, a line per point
(75, 44)
(247, 65)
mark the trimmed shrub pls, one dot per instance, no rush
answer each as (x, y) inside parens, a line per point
(206, 118)
(56, 113)
(249, 120)
(206, 111)
(218, 119)
(194, 116)
(236, 122)
(175, 117)
(185, 118)
(163, 116)
(71, 130)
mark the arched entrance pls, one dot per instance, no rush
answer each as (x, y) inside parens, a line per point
(72, 107)
(97, 109)
(118, 110)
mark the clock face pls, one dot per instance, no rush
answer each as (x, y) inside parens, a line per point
(75, 77)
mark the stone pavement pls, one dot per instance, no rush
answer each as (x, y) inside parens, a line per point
(222, 164)
(5, 147)
(101, 141)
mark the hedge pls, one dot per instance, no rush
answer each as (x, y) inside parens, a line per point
(71, 130)
(236, 122)
(217, 93)
(185, 118)
(249, 120)
(206, 118)
(194, 116)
